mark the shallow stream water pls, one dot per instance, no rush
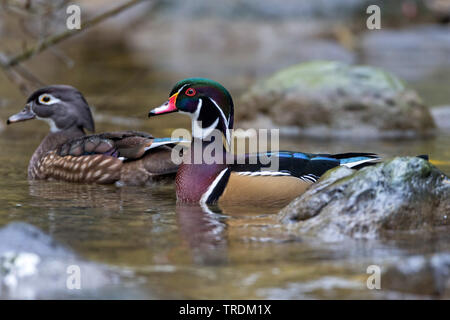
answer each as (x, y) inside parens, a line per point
(178, 251)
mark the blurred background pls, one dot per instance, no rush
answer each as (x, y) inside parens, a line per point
(128, 63)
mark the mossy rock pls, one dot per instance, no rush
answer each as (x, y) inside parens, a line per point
(326, 98)
(405, 193)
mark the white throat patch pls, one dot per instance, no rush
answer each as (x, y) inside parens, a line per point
(225, 120)
(197, 130)
(201, 133)
(51, 123)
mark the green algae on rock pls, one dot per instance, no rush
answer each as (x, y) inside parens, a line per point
(326, 98)
(405, 193)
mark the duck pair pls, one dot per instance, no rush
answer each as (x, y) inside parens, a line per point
(136, 158)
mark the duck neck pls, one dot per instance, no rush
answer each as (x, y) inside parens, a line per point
(52, 141)
(210, 123)
(207, 155)
(206, 152)
(202, 163)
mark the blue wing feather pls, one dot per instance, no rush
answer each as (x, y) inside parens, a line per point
(303, 165)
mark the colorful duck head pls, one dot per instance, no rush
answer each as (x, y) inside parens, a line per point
(207, 102)
(62, 106)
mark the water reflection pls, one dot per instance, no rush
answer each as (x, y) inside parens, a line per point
(108, 197)
(204, 232)
(76, 195)
(190, 251)
(196, 252)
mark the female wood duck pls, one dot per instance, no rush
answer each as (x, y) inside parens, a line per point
(67, 154)
(210, 106)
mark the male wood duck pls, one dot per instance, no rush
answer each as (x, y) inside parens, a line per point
(67, 154)
(210, 106)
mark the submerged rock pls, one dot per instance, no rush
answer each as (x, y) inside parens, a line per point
(424, 275)
(325, 98)
(34, 266)
(405, 193)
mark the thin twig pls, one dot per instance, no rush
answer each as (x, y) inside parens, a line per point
(15, 77)
(28, 75)
(54, 39)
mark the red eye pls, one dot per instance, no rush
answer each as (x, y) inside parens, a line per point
(190, 92)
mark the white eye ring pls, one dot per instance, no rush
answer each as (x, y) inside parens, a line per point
(50, 99)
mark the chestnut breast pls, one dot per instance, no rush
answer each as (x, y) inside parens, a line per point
(193, 180)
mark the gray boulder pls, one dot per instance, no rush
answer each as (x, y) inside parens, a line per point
(332, 99)
(34, 266)
(405, 193)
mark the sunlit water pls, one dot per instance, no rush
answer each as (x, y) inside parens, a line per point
(177, 251)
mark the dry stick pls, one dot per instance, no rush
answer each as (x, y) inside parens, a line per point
(15, 77)
(18, 74)
(54, 39)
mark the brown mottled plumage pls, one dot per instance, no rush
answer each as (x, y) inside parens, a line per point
(67, 154)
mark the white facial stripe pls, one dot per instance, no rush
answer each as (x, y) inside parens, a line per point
(225, 120)
(202, 133)
(197, 131)
(220, 110)
(197, 111)
(183, 87)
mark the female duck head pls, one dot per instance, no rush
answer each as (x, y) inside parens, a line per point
(62, 106)
(207, 102)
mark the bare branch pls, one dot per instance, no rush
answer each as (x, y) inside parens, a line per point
(54, 39)
(15, 77)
